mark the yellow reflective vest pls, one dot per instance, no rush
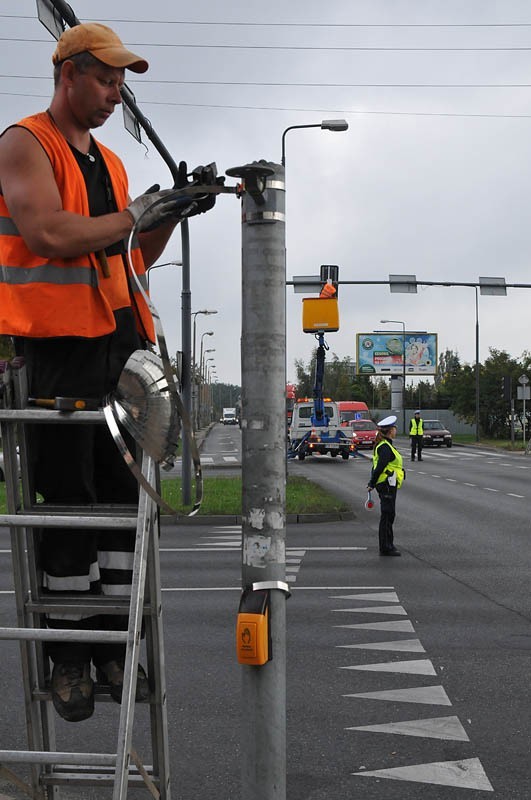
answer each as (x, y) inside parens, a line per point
(416, 427)
(393, 467)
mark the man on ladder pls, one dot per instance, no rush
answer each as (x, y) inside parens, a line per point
(68, 301)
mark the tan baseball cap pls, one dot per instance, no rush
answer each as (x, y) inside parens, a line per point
(101, 42)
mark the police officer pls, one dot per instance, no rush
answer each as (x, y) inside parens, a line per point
(416, 434)
(387, 476)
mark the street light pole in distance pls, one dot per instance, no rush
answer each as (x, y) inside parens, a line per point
(194, 363)
(399, 322)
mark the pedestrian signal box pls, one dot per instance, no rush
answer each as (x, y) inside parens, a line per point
(253, 645)
(320, 314)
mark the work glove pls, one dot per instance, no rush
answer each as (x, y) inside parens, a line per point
(156, 206)
(203, 202)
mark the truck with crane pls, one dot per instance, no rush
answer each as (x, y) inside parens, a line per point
(315, 425)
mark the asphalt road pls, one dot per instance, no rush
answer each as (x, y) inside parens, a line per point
(407, 677)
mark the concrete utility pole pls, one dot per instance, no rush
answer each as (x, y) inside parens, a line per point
(264, 469)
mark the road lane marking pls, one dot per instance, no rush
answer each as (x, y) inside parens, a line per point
(427, 695)
(465, 774)
(384, 597)
(239, 588)
(400, 611)
(418, 666)
(401, 645)
(488, 489)
(448, 728)
(402, 625)
(520, 496)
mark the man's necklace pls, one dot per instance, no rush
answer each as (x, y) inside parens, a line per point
(88, 156)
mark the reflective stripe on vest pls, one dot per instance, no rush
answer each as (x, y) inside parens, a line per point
(42, 297)
(415, 427)
(395, 465)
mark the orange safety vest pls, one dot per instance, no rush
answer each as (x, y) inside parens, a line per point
(47, 297)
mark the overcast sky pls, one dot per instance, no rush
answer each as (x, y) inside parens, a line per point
(432, 180)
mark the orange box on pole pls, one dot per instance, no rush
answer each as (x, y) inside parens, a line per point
(320, 314)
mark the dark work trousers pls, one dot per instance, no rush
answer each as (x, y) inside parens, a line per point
(387, 495)
(78, 465)
(416, 447)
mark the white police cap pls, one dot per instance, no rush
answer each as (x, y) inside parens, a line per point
(388, 422)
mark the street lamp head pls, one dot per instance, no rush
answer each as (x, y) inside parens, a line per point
(326, 125)
(334, 125)
(204, 311)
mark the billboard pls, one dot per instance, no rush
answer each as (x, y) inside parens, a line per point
(382, 353)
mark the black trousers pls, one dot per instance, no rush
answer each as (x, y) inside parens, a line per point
(387, 495)
(79, 465)
(416, 446)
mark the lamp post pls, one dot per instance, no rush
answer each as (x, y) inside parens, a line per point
(165, 264)
(194, 364)
(325, 125)
(202, 378)
(399, 322)
(199, 374)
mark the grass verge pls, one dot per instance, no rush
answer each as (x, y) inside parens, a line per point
(224, 496)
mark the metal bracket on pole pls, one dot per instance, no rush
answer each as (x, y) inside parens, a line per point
(254, 176)
(280, 585)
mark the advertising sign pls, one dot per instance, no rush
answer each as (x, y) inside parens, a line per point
(382, 353)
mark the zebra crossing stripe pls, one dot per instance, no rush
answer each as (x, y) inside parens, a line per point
(398, 610)
(421, 666)
(399, 625)
(405, 645)
(448, 728)
(465, 774)
(386, 597)
(428, 695)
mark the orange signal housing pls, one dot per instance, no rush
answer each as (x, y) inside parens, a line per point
(252, 628)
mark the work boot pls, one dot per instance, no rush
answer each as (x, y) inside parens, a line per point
(112, 674)
(72, 690)
(392, 551)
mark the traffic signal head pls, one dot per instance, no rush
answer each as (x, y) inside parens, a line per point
(506, 388)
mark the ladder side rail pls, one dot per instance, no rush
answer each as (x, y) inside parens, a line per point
(156, 660)
(40, 667)
(33, 712)
(146, 510)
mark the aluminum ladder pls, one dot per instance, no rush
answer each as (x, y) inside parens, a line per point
(49, 769)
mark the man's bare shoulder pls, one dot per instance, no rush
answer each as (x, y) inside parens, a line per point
(18, 137)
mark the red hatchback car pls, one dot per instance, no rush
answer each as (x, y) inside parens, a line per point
(365, 430)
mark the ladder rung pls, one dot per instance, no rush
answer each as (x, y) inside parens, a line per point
(66, 521)
(101, 692)
(135, 780)
(105, 604)
(62, 635)
(50, 416)
(52, 757)
(83, 510)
